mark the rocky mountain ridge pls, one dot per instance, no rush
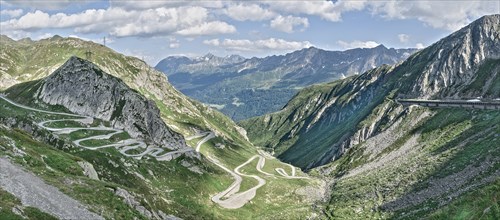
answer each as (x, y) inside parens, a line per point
(23, 61)
(243, 88)
(83, 88)
(454, 61)
(328, 119)
(173, 64)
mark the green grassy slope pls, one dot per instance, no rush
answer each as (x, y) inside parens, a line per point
(187, 194)
(448, 154)
(27, 61)
(167, 186)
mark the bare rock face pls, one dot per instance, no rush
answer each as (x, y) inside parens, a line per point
(88, 170)
(83, 88)
(453, 61)
(130, 200)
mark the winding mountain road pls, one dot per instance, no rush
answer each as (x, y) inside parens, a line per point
(123, 146)
(230, 198)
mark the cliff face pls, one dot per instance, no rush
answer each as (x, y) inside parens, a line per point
(453, 62)
(83, 88)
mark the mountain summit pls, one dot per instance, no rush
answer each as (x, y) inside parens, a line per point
(85, 89)
(453, 64)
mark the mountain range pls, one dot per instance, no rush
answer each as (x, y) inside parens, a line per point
(88, 133)
(243, 88)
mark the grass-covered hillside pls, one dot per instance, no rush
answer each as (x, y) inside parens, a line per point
(428, 163)
(27, 60)
(304, 131)
(183, 186)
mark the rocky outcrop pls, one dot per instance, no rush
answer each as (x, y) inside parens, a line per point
(451, 64)
(131, 201)
(83, 88)
(88, 170)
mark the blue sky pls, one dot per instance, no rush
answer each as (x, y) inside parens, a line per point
(153, 30)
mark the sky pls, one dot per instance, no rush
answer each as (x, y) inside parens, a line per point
(153, 30)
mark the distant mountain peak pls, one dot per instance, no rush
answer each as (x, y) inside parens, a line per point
(489, 19)
(209, 56)
(26, 40)
(235, 56)
(56, 37)
(381, 46)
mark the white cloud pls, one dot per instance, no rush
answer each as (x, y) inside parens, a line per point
(259, 45)
(323, 9)
(140, 5)
(403, 38)
(437, 14)
(213, 42)
(12, 13)
(173, 43)
(44, 36)
(208, 28)
(419, 45)
(288, 23)
(38, 4)
(188, 20)
(250, 12)
(328, 10)
(357, 44)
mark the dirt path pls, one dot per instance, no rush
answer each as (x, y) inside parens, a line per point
(32, 191)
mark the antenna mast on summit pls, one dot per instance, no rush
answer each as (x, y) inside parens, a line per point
(104, 41)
